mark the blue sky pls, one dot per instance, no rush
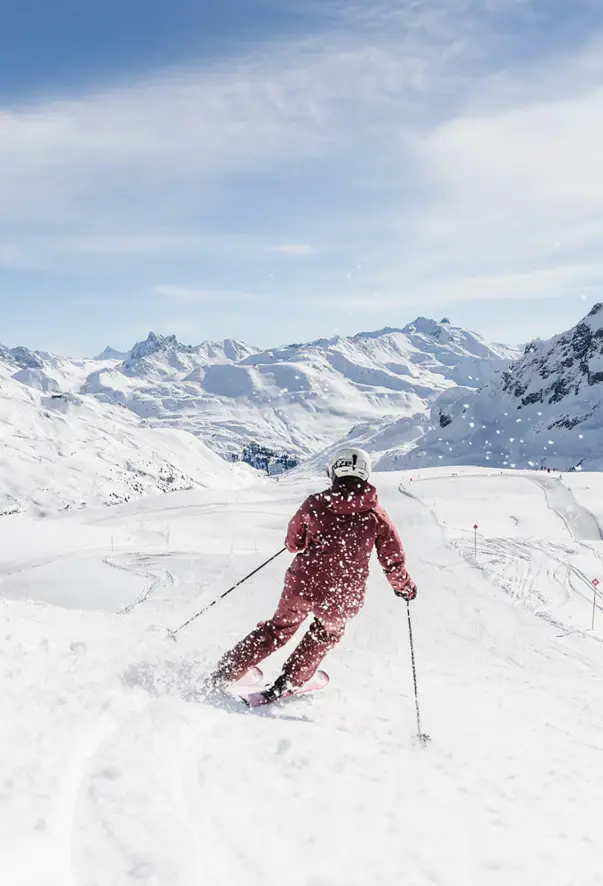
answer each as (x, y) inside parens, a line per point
(280, 170)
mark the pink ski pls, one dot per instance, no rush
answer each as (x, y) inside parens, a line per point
(251, 678)
(319, 681)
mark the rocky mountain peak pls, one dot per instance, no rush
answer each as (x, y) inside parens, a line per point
(550, 371)
(110, 353)
(545, 409)
(21, 357)
(155, 343)
(425, 326)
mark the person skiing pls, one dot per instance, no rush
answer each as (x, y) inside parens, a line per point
(333, 534)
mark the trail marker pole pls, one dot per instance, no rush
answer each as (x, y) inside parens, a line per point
(595, 583)
(475, 528)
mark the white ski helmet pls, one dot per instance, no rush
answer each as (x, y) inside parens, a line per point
(350, 462)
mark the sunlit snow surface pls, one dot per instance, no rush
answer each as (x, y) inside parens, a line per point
(69, 451)
(111, 773)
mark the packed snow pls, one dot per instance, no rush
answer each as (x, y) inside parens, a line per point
(113, 771)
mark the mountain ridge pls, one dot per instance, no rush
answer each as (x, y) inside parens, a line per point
(294, 399)
(424, 394)
(544, 410)
(274, 407)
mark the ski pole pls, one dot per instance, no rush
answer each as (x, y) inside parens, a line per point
(172, 634)
(423, 738)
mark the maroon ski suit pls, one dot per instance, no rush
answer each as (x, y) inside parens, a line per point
(333, 534)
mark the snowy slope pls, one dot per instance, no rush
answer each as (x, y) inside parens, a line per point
(390, 440)
(124, 778)
(63, 450)
(297, 398)
(545, 410)
(49, 372)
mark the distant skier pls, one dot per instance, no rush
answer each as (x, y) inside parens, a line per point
(333, 535)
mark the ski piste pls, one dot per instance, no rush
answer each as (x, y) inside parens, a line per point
(258, 699)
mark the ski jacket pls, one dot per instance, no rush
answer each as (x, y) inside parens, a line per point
(333, 534)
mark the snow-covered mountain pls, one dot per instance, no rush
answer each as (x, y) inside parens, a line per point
(299, 398)
(110, 353)
(544, 410)
(21, 357)
(63, 450)
(48, 372)
(161, 356)
(65, 441)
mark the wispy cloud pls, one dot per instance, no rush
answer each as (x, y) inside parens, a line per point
(396, 139)
(541, 283)
(510, 196)
(150, 148)
(519, 186)
(186, 126)
(294, 249)
(184, 294)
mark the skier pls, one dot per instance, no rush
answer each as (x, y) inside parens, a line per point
(333, 535)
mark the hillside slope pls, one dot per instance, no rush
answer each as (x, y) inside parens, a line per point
(63, 450)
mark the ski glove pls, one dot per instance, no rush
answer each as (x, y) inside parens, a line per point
(409, 591)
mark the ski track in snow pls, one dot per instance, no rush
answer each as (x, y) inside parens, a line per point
(581, 524)
(128, 778)
(520, 565)
(131, 821)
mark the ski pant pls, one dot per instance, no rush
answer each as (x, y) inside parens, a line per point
(270, 635)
